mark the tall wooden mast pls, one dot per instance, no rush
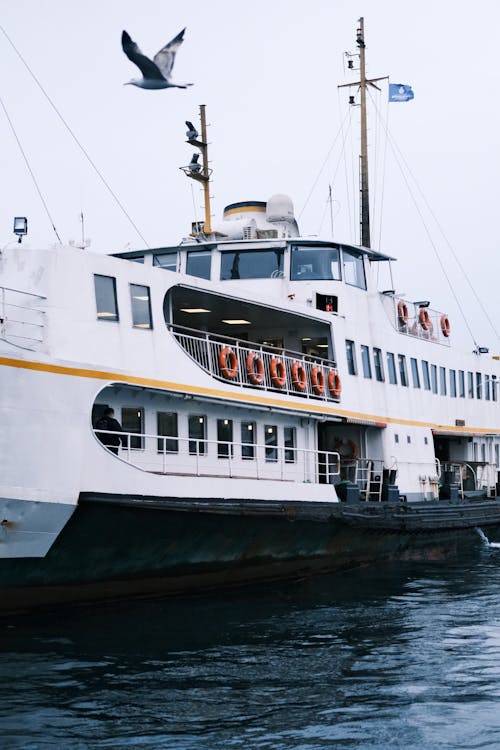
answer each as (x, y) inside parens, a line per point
(202, 175)
(363, 159)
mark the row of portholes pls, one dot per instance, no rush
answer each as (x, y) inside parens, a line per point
(229, 366)
(423, 319)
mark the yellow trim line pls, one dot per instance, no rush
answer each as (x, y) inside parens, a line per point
(250, 398)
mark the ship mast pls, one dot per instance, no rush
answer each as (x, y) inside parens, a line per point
(201, 173)
(363, 159)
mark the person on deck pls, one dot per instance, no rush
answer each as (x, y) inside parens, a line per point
(111, 425)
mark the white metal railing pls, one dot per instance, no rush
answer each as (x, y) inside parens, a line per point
(170, 454)
(206, 350)
(412, 319)
(21, 323)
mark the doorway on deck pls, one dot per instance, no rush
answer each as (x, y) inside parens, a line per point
(346, 440)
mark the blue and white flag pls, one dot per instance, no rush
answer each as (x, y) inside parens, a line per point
(400, 92)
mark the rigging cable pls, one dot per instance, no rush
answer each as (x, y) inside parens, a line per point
(70, 131)
(396, 150)
(30, 170)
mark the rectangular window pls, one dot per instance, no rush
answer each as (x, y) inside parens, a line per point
(224, 438)
(483, 453)
(133, 421)
(426, 376)
(378, 364)
(414, 373)
(141, 306)
(434, 378)
(310, 262)
(197, 427)
(461, 384)
(497, 455)
(365, 361)
(453, 383)
(271, 441)
(352, 367)
(391, 368)
(167, 425)
(403, 373)
(479, 385)
(105, 297)
(289, 440)
(494, 384)
(252, 264)
(487, 387)
(248, 433)
(470, 384)
(199, 263)
(442, 380)
(354, 271)
(168, 261)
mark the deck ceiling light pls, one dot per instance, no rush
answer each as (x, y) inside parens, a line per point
(237, 322)
(194, 309)
(20, 227)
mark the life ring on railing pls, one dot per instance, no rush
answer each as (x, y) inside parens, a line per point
(334, 384)
(347, 449)
(424, 319)
(402, 312)
(445, 326)
(299, 376)
(255, 368)
(228, 363)
(318, 381)
(278, 372)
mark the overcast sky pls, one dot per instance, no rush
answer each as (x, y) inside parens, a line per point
(268, 72)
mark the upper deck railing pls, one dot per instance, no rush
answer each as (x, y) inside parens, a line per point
(417, 319)
(22, 323)
(260, 366)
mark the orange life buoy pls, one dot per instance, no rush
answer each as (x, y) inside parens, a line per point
(424, 319)
(278, 372)
(228, 363)
(299, 376)
(347, 449)
(334, 384)
(445, 325)
(255, 368)
(318, 381)
(402, 312)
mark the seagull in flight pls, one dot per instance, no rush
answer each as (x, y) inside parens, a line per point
(156, 72)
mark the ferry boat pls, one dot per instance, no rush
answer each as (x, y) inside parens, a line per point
(268, 427)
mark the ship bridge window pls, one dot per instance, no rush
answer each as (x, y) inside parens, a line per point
(365, 361)
(168, 261)
(453, 383)
(479, 385)
(426, 376)
(354, 272)
(403, 374)
(252, 264)
(470, 384)
(434, 378)
(315, 262)
(442, 380)
(414, 372)
(141, 306)
(391, 367)
(199, 263)
(461, 383)
(379, 365)
(105, 297)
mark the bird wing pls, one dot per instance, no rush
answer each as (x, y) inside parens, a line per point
(164, 59)
(147, 67)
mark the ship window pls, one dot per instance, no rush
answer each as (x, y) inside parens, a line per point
(425, 374)
(426, 441)
(453, 383)
(105, 297)
(494, 385)
(248, 433)
(199, 263)
(396, 438)
(133, 421)
(483, 452)
(378, 364)
(224, 438)
(434, 378)
(403, 374)
(252, 264)
(197, 427)
(138, 259)
(497, 455)
(470, 384)
(365, 361)
(442, 381)
(408, 439)
(391, 367)
(414, 373)
(167, 425)
(168, 261)
(479, 385)
(289, 439)
(354, 272)
(141, 306)
(461, 383)
(487, 387)
(350, 347)
(315, 263)
(271, 441)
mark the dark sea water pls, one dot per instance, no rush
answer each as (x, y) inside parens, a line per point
(399, 655)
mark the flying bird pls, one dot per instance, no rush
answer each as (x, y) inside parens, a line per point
(193, 164)
(156, 72)
(192, 133)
